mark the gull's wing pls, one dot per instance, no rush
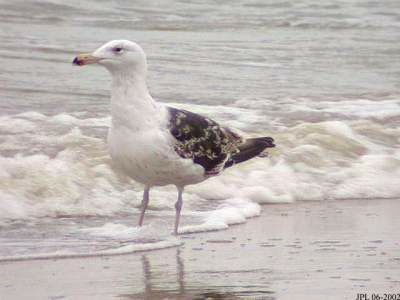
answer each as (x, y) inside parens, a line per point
(202, 140)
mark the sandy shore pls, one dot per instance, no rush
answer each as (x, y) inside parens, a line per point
(308, 250)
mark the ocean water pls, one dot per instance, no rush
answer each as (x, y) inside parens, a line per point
(322, 78)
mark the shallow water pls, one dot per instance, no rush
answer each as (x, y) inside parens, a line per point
(310, 250)
(322, 79)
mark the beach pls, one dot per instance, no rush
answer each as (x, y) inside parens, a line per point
(306, 250)
(316, 218)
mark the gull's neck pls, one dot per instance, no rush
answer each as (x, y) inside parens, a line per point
(131, 103)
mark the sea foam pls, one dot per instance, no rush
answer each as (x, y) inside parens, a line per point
(52, 166)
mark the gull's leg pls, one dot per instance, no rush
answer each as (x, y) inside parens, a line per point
(145, 202)
(178, 206)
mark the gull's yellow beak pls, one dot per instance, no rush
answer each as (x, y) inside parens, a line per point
(85, 59)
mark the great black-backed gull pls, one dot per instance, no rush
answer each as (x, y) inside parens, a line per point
(156, 144)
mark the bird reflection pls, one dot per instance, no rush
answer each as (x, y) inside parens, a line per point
(147, 275)
(180, 271)
(153, 291)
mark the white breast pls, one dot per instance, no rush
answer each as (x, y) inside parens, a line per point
(139, 141)
(148, 157)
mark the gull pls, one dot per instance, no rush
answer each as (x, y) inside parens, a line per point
(155, 144)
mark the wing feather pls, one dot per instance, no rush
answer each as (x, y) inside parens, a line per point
(202, 140)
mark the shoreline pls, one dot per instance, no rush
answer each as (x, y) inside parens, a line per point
(303, 250)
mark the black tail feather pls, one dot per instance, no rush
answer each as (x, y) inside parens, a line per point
(251, 148)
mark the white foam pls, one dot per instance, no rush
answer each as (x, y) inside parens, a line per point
(233, 211)
(156, 230)
(373, 176)
(32, 115)
(126, 249)
(236, 117)
(361, 108)
(69, 120)
(113, 230)
(292, 110)
(66, 184)
(10, 125)
(57, 168)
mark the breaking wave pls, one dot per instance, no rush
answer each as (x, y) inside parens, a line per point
(52, 166)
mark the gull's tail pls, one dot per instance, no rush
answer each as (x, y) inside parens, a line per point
(249, 149)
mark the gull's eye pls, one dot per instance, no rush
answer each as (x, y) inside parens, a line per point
(117, 49)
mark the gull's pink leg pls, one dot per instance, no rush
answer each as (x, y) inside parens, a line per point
(145, 202)
(178, 207)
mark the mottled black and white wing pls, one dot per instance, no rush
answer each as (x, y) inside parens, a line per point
(202, 140)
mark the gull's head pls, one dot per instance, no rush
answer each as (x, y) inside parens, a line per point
(116, 56)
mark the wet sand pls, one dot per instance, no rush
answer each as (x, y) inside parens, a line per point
(304, 250)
